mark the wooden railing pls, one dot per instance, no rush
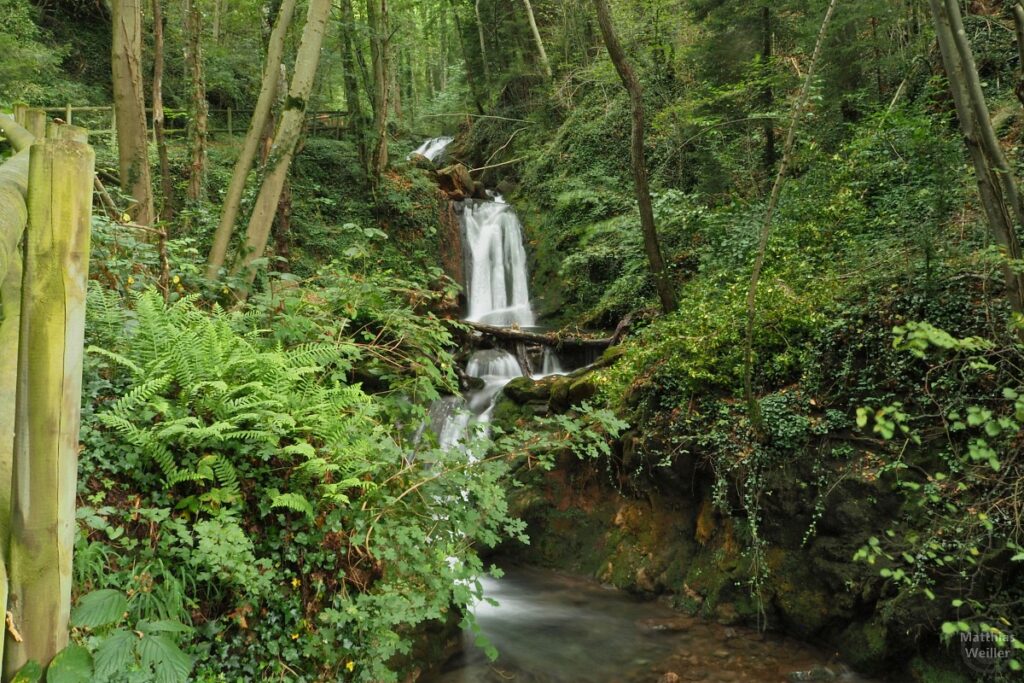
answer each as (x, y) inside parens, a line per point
(45, 214)
(102, 121)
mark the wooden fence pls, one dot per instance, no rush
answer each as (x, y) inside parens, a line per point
(45, 214)
(102, 121)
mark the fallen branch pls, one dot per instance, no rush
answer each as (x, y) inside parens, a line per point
(547, 339)
(504, 163)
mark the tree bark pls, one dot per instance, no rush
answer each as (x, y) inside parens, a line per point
(663, 283)
(377, 16)
(199, 121)
(289, 130)
(542, 53)
(268, 92)
(356, 116)
(992, 173)
(768, 96)
(129, 107)
(550, 339)
(1018, 23)
(483, 43)
(166, 183)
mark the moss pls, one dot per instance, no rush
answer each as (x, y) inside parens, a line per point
(935, 672)
(865, 646)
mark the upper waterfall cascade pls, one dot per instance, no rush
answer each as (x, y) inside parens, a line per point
(497, 280)
(433, 148)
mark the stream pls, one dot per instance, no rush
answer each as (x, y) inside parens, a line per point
(555, 628)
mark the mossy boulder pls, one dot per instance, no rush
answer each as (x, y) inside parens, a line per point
(524, 390)
(864, 645)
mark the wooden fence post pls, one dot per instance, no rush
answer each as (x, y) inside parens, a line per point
(19, 113)
(35, 122)
(67, 114)
(231, 126)
(48, 398)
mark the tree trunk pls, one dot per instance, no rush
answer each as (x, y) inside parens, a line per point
(268, 91)
(166, 183)
(483, 43)
(768, 96)
(130, 108)
(356, 117)
(199, 121)
(49, 398)
(544, 63)
(282, 228)
(993, 174)
(293, 119)
(662, 281)
(377, 15)
(1018, 22)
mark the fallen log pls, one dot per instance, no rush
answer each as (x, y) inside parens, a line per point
(548, 339)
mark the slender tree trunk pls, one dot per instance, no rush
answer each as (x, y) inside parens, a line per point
(470, 78)
(166, 183)
(768, 96)
(1018, 22)
(356, 117)
(993, 175)
(377, 15)
(283, 228)
(544, 63)
(216, 20)
(483, 43)
(753, 406)
(268, 90)
(199, 121)
(662, 281)
(130, 108)
(293, 118)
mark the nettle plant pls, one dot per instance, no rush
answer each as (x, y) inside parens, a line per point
(963, 493)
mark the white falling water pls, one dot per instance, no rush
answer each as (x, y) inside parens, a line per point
(552, 363)
(433, 148)
(497, 286)
(496, 368)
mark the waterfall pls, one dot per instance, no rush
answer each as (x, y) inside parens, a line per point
(433, 148)
(497, 286)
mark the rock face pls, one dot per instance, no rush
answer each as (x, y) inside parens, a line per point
(675, 540)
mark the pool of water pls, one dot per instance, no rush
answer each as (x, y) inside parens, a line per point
(553, 628)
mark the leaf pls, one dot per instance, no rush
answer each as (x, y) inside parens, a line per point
(949, 628)
(295, 502)
(30, 673)
(116, 654)
(73, 664)
(99, 608)
(163, 626)
(170, 664)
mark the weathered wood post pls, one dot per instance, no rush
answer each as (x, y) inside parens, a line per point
(231, 125)
(13, 215)
(35, 122)
(47, 412)
(19, 113)
(67, 114)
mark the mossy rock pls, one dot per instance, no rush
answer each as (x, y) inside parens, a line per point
(523, 390)
(507, 414)
(583, 389)
(928, 671)
(865, 646)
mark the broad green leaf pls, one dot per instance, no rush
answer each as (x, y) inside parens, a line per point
(170, 664)
(73, 664)
(115, 654)
(30, 673)
(99, 608)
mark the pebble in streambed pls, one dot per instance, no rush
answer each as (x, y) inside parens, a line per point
(554, 628)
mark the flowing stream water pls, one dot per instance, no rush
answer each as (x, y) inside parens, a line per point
(550, 627)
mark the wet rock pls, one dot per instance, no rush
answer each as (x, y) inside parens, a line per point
(666, 624)
(479, 190)
(670, 677)
(819, 674)
(727, 615)
(722, 654)
(506, 187)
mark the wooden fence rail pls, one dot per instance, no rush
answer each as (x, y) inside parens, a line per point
(45, 216)
(235, 120)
